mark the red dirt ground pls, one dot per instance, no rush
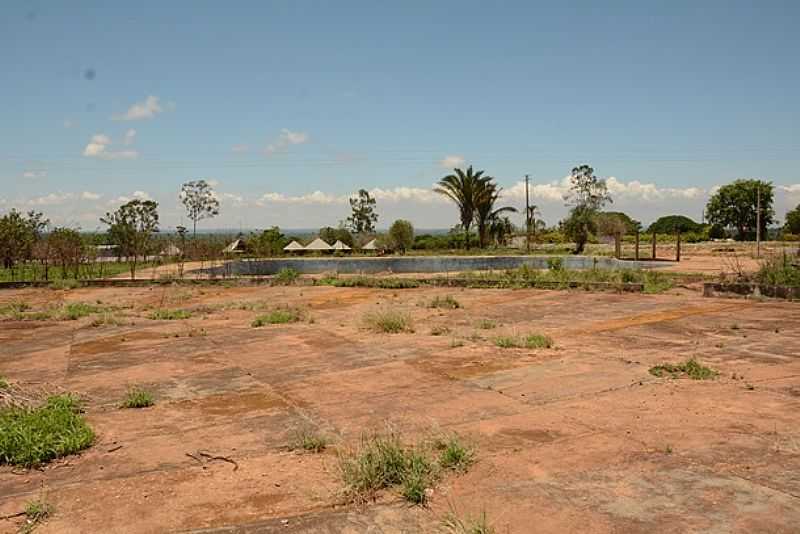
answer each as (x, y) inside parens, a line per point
(579, 438)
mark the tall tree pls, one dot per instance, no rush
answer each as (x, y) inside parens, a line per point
(19, 233)
(363, 218)
(670, 224)
(486, 196)
(734, 205)
(793, 220)
(66, 248)
(131, 228)
(200, 202)
(587, 196)
(461, 187)
(401, 235)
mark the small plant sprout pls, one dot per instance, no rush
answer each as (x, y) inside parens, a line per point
(36, 512)
(170, 315)
(137, 398)
(530, 341)
(454, 454)
(453, 524)
(487, 324)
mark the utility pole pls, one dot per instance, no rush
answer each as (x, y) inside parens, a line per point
(758, 220)
(527, 217)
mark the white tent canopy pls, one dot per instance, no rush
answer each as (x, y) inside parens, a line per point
(340, 246)
(372, 245)
(294, 246)
(318, 244)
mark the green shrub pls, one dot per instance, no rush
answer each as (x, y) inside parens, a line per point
(64, 283)
(286, 276)
(555, 264)
(447, 302)
(73, 311)
(388, 322)
(163, 314)
(308, 440)
(779, 270)
(454, 454)
(137, 398)
(531, 341)
(32, 436)
(691, 368)
(4, 383)
(277, 316)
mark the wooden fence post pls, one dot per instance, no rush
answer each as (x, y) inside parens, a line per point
(636, 252)
(678, 247)
(653, 254)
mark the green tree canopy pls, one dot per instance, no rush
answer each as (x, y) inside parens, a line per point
(734, 205)
(671, 224)
(270, 242)
(131, 228)
(401, 235)
(200, 202)
(631, 225)
(463, 188)
(793, 220)
(18, 235)
(331, 235)
(363, 218)
(587, 196)
(486, 195)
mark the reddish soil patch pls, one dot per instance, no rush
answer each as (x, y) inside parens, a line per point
(577, 435)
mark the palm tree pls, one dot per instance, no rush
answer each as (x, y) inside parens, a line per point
(461, 187)
(485, 212)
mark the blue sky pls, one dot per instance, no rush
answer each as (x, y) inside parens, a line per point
(289, 107)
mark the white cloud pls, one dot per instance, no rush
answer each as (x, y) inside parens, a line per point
(414, 194)
(130, 137)
(98, 148)
(635, 190)
(452, 162)
(141, 110)
(792, 189)
(285, 140)
(212, 182)
(33, 174)
(52, 199)
(240, 148)
(317, 197)
(88, 195)
(136, 195)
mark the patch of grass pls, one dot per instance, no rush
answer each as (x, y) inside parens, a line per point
(137, 398)
(308, 440)
(383, 461)
(448, 302)
(107, 319)
(691, 368)
(286, 276)
(4, 383)
(486, 324)
(440, 331)
(470, 525)
(164, 314)
(14, 310)
(454, 454)
(32, 436)
(530, 341)
(64, 283)
(388, 322)
(364, 281)
(36, 512)
(277, 316)
(656, 282)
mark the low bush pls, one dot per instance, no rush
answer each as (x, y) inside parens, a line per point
(454, 454)
(32, 436)
(690, 368)
(308, 440)
(448, 302)
(137, 398)
(277, 316)
(363, 281)
(388, 322)
(286, 276)
(530, 341)
(163, 314)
